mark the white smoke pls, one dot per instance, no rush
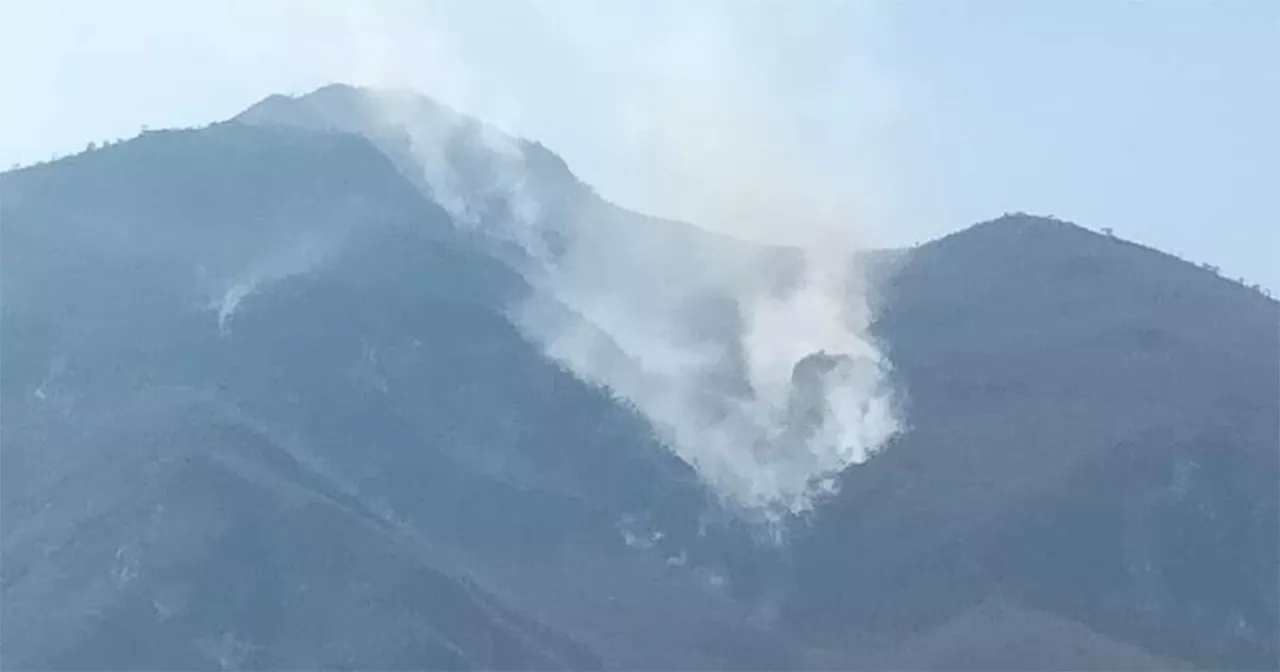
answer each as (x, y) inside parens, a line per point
(761, 377)
(755, 366)
(230, 301)
(302, 245)
(753, 362)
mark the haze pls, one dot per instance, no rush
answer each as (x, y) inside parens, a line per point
(1153, 119)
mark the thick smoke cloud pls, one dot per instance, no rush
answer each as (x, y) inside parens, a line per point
(752, 361)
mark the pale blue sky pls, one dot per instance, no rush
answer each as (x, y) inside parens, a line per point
(1157, 119)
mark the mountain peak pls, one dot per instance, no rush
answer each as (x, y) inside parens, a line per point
(1021, 224)
(382, 114)
(1025, 238)
(337, 107)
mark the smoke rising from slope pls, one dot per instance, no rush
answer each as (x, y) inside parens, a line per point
(752, 361)
(753, 364)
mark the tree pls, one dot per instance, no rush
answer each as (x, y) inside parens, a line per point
(1108, 231)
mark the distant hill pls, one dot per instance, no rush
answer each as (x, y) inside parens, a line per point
(264, 407)
(1093, 428)
(358, 343)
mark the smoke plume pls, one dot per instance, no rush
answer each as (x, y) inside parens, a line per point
(744, 342)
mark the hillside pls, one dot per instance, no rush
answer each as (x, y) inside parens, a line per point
(346, 318)
(1093, 428)
(266, 406)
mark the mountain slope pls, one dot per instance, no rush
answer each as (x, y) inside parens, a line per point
(199, 541)
(297, 278)
(148, 520)
(996, 634)
(1093, 428)
(265, 406)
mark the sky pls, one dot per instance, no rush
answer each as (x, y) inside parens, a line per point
(1156, 119)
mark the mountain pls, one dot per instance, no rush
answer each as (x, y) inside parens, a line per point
(996, 634)
(265, 406)
(1093, 431)
(513, 190)
(358, 343)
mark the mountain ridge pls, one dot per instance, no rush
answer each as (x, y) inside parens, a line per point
(1076, 406)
